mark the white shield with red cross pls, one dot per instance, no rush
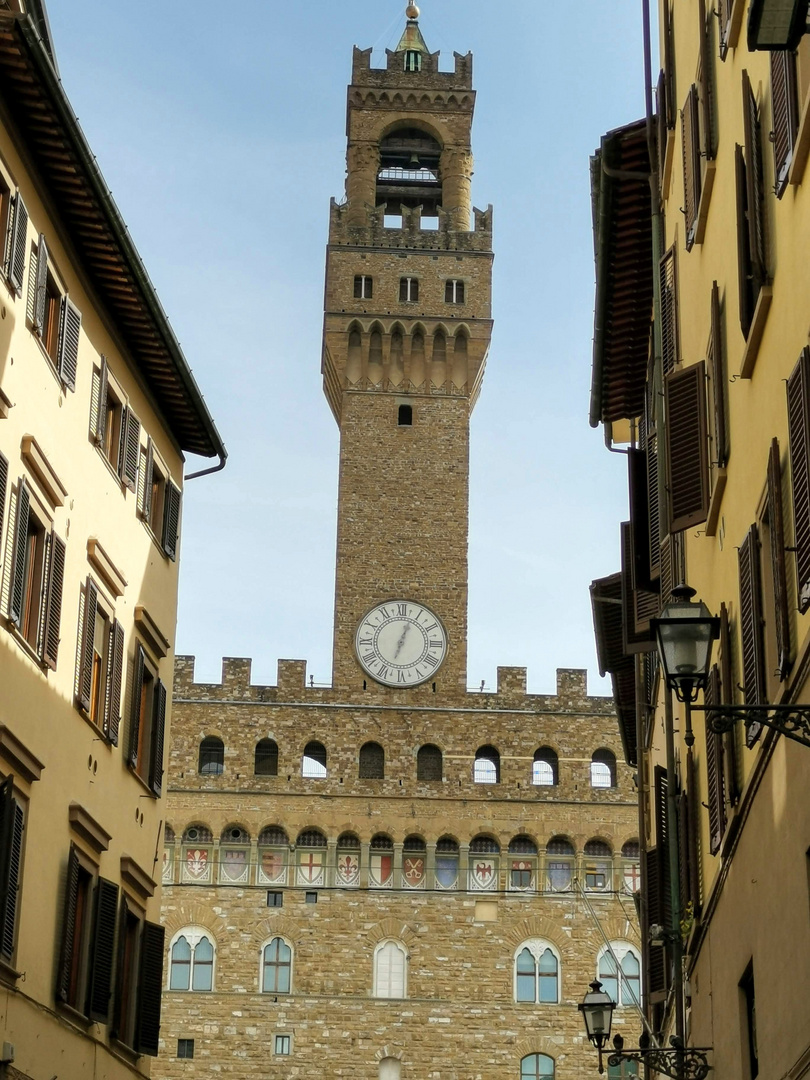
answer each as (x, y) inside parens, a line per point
(310, 867)
(632, 877)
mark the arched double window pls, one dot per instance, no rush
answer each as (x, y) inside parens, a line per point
(313, 763)
(622, 984)
(545, 770)
(603, 769)
(537, 1067)
(390, 970)
(191, 960)
(487, 766)
(429, 763)
(212, 756)
(537, 972)
(266, 758)
(276, 967)
(372, 761)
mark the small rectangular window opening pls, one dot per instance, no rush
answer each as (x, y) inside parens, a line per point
(275, 899)
(405, 416)
(311, 898)
(429, 224)
(185, 1048)
(408, 290)
(363, 287)
(282, 1045)
(392, 221)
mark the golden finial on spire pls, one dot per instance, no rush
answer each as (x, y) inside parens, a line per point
(412, 11)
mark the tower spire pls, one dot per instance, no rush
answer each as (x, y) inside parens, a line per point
(412, 40)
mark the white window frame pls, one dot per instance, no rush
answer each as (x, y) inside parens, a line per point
(620, 949)
(289, 944)
(536, 946)
(193, 935)
(378, 951)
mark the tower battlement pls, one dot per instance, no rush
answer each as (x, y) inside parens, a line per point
(363, 74)
(345, 231)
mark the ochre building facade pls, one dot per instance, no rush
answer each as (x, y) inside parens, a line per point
(394, 877)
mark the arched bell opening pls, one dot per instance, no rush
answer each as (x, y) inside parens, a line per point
(408, 175)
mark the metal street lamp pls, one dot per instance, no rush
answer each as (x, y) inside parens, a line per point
(685, 631)
(776, 25)
(597, 1012)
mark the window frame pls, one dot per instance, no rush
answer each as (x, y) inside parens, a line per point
(363, 287)
(278, 965)
(193, 935)
(379, 951)
(621, 949)
(455, 291)
(54, 319)
(537, 948)
(147, 721)
(107, 425)
(99, 699)
(409, 290)
(13, 827)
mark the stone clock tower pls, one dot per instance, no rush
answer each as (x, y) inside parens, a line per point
(407, 328)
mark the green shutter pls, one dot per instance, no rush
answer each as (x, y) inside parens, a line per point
(150, 984)
(100, 969)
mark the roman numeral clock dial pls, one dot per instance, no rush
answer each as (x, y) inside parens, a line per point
(400, 643)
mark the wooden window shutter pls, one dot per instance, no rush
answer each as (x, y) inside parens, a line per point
(150, 982)
(706, 89)
(41, 285)
(158, 737)
(754, 186)
(69, 334)
(103, 951)
(661, 120)
(149, 469)
(798, 408)
(101, 415)
(19, 238)
(171, 519)
(724, 11)
(639, 517)
(776, 524)
(717, 372)
(17, 584)
(53, 599)
(669, 311)
(688, 883)
(690, 131)
(68, 926)
(358, 287)
(715, 769)
(650, 440)
(130, 456)
(662, 825)
(639, 605)
(3, 488)
(727, 698)
(116, 1021)
(693, 831)
(115, 675)
(88, 631)
(655, 955)
(751, 627)
(137, 692)
(744, 275)
(687, 447)
(669, 64)
(784, 108)
(9, 882)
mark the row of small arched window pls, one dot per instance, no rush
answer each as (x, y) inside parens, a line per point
(454, 289)
(429, 763)
(536, 973)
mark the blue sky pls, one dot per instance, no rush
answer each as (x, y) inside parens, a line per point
(221, 131)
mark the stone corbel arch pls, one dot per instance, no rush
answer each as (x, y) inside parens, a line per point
(194, 915)
(538, 1044)
(393, 928)
(389, 1052)
(276, 927)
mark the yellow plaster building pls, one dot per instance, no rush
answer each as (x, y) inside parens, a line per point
(394, 877)
(97, 410)
(702, 222)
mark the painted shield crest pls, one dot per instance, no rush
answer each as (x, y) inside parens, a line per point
(234, 863)
(413, 871)
(168, 865)
(348, 869)
(632, 878)
(446, 871)
(484, 874)
(272, 865)
(196, 864)
(382, 867)
(310, 867)
(559, 875)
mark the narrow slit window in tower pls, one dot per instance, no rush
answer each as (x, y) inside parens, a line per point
(413, 60)
(405, 416)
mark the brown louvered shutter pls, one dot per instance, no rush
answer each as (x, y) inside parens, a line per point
(53, 599)
(639, 517)
(19, 244)
(718, 377)
(751, 627)
(68, 926)
(662, 824)
(115, 674)
(691, 163)
(778, 562)
(661, 120)
(669, 311)
(727, 698)
(148, 473)
(130, 456)
(706, 88)
(715, 769)
(69, 332)
(137, 692)
(171, 519)
(17, 584)
(669, 64)
(88, 632)
(3, 487)
(669, 573)
(158, 737)
(798, 407)
(724, 12)
(785, 109)
(744, 276)
(655, 954)
(8, 926)
(150, 982)
(101, 415)
(639, 605)
(687, 447)
(41, 285)
(121, 987)
(650, 446)
(7, 814)
(754, 187)
(693, 831)
(100, 968)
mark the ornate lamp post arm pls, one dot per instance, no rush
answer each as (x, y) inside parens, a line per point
(792, 721)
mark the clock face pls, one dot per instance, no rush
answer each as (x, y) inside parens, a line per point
(400, 643)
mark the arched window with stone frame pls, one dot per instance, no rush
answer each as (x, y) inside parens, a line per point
(234, 856)
(631, 866)
(414, 862)
(196, 858)
(537, 972)
(446, 863)
(390, 1069)
(313, 763)
(191, 960)
(545, 768)
(598, 866)
(211, 757)
(484, 864)
(560, 856)
(311, 858)
(622, 984)
(265, 758)
(276, 967)
(487, 766)
(372, 762)
(537, 1067)
(348, 860)
(603, 769)
(390, 970)
(429, 765)
(522, 864)
(381, 862)
(273, 856)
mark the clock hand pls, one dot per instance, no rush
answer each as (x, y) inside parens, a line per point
(401, 641)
